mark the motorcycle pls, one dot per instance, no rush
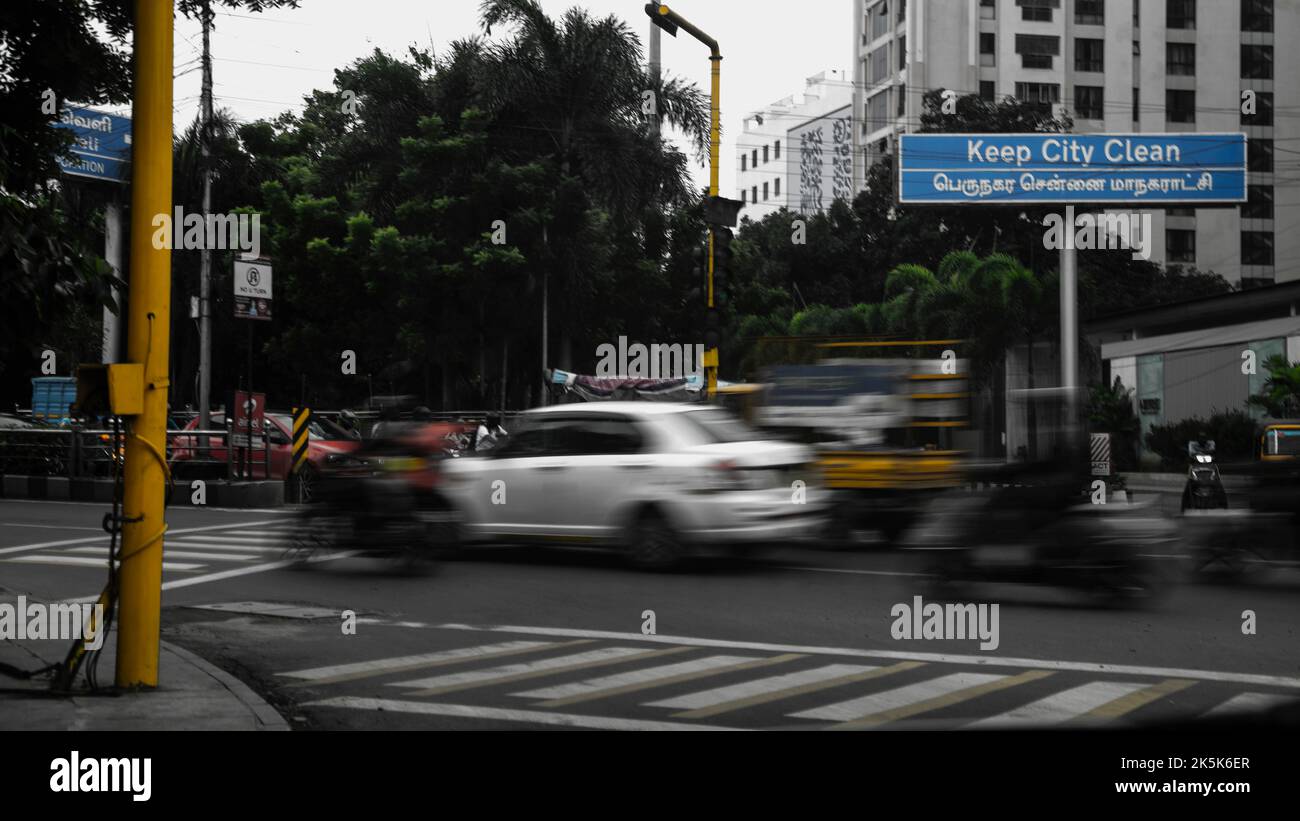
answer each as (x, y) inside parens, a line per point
(1203, 489)
(378, 500)
(1040, 528)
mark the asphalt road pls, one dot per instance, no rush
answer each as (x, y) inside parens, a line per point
(526, 637)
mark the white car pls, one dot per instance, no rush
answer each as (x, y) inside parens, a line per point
(656, 479)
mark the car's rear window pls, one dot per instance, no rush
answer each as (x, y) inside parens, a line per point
(716, 426)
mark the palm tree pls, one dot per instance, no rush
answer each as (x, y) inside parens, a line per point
(572, 89)
(1280, 394)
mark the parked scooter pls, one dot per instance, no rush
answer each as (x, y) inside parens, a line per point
(1204, 487)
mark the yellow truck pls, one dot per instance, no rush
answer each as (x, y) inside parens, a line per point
(883, 429)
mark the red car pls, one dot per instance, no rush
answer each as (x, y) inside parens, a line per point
(324, 440)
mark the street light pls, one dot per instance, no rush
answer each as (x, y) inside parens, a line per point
(718, 210)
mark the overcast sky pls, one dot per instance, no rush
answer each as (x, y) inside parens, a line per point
(264, 63)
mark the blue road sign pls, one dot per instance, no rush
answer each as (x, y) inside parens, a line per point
(102, 144)
(1123, 169)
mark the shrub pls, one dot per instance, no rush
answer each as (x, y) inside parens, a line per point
(1233, 433)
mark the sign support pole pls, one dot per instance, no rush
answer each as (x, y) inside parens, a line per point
(1069, 287)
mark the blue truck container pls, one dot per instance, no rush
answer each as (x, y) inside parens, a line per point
(52, 398)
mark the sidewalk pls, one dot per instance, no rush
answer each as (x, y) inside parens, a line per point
(192, 695)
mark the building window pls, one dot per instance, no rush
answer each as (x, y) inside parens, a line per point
(1137, 105)
(988, 42)
(878, 111)
(753, 159)
(1090, 12)
(1036, 50)
(1137, 48)
(879, 65)
(1263, 110)
(986, 90)
(1259, 203)
(1256, 15)
(1259, 155)
(1037, 10)
(900, 94)
(1180, 212)
(765, 154)
(753, 194)
(1180, 14)
(1180, 106)
(1089, 55)
(764, 192)
(1040, 94)
(1088, 102)
(776, 187)
(1137, 14)
(742, 196)
(1180, 59)
(1257, 62)
(1256, 247)
(744, 161)
(776, 152)
(880, 21)
(1180, 246)
(988, 9)
(902, 53)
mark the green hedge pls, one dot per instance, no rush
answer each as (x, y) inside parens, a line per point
(1233, 433)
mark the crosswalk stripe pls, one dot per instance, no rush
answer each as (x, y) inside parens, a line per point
(1127, 704)
(637, 680)
(511, 673)
(913, 699)
(223, 545)
(1250, 703)
(80, 561)
(353, 671)
(232, 548)
(223, 541)
(749, 694)
(256, 552)
(504, 714)
(1062, 706)
(102, 552)
(222, 538)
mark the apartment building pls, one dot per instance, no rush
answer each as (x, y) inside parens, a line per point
(1114, 66)
(798, 153)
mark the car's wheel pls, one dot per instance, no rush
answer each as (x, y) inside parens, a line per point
(653, 544)
(305, 482)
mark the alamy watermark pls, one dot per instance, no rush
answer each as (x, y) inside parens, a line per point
(656, 361)
(1125, 230)
(218, 232)
(58, 621)
(919, 620)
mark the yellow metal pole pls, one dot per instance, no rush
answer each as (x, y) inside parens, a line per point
(148, 341)
(715, 139)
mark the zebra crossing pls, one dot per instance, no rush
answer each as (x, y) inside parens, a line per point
(185, 552)
(596, 684)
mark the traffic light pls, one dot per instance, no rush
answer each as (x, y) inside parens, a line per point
(722, 255)
(712, 328)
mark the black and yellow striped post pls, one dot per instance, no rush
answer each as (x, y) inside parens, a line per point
(301, 424)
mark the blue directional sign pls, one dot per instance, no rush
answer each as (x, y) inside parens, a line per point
(1127, 169)
(102, 143)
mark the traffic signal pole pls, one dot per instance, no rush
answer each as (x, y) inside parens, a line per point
(670, 21)
(148, 343)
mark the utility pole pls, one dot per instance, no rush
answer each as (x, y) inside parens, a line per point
(655, 68)
(205, 255)
(149, 345)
